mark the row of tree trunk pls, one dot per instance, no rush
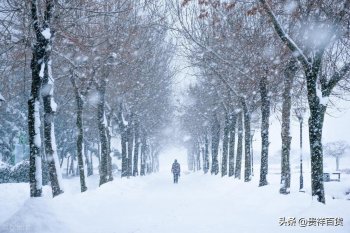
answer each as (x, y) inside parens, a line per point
(139, 156)
(134, 144)
(238, 122)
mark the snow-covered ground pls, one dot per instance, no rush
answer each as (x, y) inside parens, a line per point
(152, 204)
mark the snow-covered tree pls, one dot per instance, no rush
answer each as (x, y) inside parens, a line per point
(42, 86)
(322, 27)
(337, 150)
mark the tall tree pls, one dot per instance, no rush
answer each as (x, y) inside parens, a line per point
(239, 145)
(225, 146)
(102, 127)
(289, 74)
(215, 137)
(42, 77)
(231, 160)
(80, 137)
(333, 23)
(265, 115)
(247, 141)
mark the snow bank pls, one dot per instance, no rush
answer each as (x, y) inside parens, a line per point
(36, 215)
(153, 204)
(198, 204)
(12, 197)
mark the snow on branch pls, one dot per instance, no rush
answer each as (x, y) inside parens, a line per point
(284, 36)
(2, 99)
(46, 33)
(336, 77)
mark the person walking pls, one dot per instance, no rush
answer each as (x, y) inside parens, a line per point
(175, 169)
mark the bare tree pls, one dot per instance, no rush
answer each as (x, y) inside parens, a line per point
(336, 149)
(319, 87)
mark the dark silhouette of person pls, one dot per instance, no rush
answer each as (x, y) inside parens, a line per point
(175, 169)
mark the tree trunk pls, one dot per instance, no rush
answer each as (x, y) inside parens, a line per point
(80, 137)
(247, 140)
(231, 163)
(124, 140)
(265, 115)
(285, 132)
(198, 158)
(136, 149)
(102, 125)
(98, 155)
(225, 146)
(157, 162)
(203, 157)
(238, 169)
(49, 128)
(130, 139)
(35, 171)
(194, 156)
(149, 160)
(77, 170)
(91, 164)
(41, 70)
(190, 157)
(35, 163)
(337, 163)
(61, 162)
(206, 153)
(155, 159)
(88, 159)
(317, 111)
(315, 135)
(143, 154)
(124, 152)
(109, 157)
(37, 67)
(215, 137)
(71, 168)
(68, 165)
(87, 164)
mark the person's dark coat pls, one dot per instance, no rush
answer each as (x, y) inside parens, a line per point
(175, 169)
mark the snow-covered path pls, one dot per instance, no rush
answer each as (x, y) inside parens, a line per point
(152, 204)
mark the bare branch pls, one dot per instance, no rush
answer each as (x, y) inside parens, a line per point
(297, 52)
(336, 77)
